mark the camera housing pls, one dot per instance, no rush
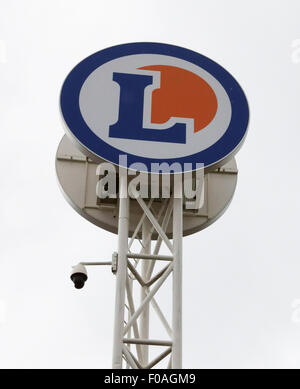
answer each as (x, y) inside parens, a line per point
(79, 276)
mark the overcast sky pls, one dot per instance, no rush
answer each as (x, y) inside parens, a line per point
(241, 290)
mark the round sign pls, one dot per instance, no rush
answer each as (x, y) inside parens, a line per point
(152, 106)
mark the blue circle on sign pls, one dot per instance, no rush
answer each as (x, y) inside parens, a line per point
(130, 127)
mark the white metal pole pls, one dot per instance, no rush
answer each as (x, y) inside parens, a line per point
(144, 319)
(177, 278)
(121, 271)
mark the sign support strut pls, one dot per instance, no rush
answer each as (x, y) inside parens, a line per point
(129, 318)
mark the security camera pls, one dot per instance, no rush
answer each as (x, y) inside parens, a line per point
(79, 276)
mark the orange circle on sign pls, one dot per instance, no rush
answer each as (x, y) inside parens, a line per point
(182, 94)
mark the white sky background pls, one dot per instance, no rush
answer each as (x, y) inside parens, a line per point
(241, 275)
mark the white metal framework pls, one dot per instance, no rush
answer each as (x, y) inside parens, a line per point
(131, 326)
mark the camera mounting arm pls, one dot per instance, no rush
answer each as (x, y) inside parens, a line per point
(113, 263)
